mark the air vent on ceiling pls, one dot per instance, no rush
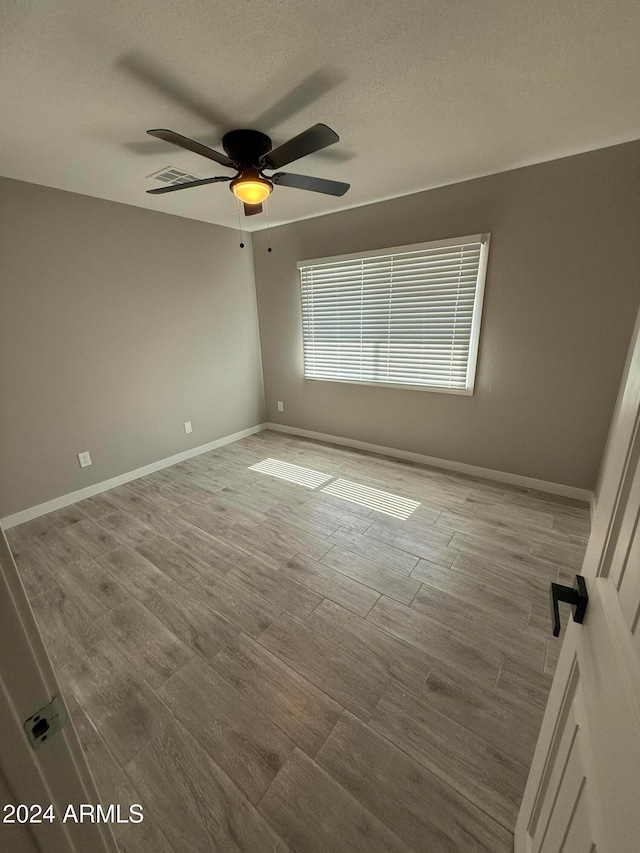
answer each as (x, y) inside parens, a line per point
(171, 175)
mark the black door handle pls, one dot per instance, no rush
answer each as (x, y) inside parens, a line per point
(575, 595)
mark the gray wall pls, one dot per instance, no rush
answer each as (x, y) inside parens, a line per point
(562, 291)
(117, 324)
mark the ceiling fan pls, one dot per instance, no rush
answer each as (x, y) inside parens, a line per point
(250, 153)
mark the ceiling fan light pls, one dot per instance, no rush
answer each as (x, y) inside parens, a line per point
(250, 187)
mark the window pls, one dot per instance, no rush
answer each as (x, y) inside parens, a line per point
(408, 316)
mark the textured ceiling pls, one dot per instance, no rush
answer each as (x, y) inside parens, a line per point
(421, 93)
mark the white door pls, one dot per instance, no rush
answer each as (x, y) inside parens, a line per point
(583, 792)
(54, 774)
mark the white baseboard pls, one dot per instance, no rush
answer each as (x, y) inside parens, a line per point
(447, 464)
(105, 485)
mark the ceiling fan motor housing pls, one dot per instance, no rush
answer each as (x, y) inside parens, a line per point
(249, 152)
(246, 147)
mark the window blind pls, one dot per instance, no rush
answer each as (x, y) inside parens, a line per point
(408, 316)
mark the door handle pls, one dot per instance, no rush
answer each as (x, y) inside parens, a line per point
(575, 595)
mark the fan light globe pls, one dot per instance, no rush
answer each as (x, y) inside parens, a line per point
(250, 187)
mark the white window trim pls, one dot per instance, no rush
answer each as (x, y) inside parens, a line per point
(474, 339)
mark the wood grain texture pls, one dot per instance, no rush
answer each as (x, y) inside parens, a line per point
(493, 628)
(55, 520)
(119, 702)
(523, 682)
(377, 577)
(316, 511)
(437, 641)
(350, 681)
(243, 742)
(56, 548)
(392, 657)
(197, 806)
(566, 556)
(273, 490)
(434, 547)
(479, 771)
(422, 810)
(236, 602)
(310, 519)
(115, 788)
(92, 537)
(505, 523)
(501, 719)
(341, 509)
(247, 497)
(170, 558)
(296, 705)
(315, 814)
(183, 487)
(132, 571)
(141, 496)
(510, 597)
(34, 570)
(211, 551)
(237, 512)
(275, 541)
(153, 650)
(378, 552)
(202, 516)
(526, 570)
(92, 586)
(143, 506)
(165, 523)
(415, 526)
(344, 680)
(68, 630)
(334, 585)
(276, 587)
(98, 505)
(202, 629)
(126, 528)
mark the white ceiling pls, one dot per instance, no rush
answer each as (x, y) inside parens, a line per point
(421, 93)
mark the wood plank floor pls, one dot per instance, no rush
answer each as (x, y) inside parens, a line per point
(269, 666)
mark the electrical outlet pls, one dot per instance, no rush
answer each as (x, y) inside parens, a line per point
(187, 427)
(84, 459)
(280, 406)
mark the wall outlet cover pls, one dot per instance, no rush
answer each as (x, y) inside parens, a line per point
(187, 427)
(84, 459)
(280, 406)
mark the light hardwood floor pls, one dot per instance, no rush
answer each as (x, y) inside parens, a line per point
(267, 666)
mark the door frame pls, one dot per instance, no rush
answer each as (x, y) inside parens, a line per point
(619, 460)
(57, 772)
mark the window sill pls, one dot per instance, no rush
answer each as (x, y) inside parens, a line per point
(463, 392)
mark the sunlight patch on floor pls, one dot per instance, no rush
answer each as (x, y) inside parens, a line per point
(385, 502)
(293, 473)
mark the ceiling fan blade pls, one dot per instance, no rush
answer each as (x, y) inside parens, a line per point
(306, 182)
(252, 209)
(316, 137)
(191, 145)
(187, 185)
